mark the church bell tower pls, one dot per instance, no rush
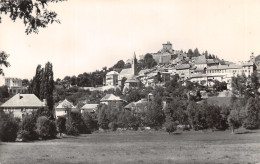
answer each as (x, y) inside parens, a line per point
(134, 65)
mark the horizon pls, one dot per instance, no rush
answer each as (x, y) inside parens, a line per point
(95, 34)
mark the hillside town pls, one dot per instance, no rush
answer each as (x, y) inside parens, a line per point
(129, 82)
(170, 64)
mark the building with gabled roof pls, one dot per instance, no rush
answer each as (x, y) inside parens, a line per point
(112, 78)
(183, 71)
(22, 104)
(63, 107)
(128, 73)
(110, 97)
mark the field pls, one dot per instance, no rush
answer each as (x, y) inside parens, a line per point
(139, 147)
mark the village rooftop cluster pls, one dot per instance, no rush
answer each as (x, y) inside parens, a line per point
(169, 63)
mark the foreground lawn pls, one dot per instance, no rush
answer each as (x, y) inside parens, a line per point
(139, 147)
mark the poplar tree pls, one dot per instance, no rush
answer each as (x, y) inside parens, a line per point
(42, 85)
(48, 86)
(37, 81)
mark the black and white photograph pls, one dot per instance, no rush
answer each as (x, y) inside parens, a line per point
(129, 81)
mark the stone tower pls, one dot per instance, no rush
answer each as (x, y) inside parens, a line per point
(252, 58)
(134, 65)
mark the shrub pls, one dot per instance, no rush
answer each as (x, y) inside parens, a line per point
(61, 124)
(113, 126)
(90, 122)
(134, 122)
(75, 124)
(28, 128)
(45, 128)
(103, 118)
(8, 129)
(251, 120)
(70, 129)
(171, 127)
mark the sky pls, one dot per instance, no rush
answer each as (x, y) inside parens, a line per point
(98, 33)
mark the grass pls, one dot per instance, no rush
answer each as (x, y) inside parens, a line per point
(139, 147)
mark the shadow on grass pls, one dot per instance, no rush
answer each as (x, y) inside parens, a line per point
(177, 133)
(246, 132)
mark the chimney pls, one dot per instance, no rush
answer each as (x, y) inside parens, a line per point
(44, 102)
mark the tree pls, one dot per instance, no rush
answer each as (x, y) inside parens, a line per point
(3, 59)
(219, 86)
(133, 95)
(45, 128)
(34, 14)
(103, 119)
(239, 85)
(75, 124)
(149, 61)
(123, 83)
(206, 54)
(25, 82)
(73, 80)
(197, 116)
(4, 92)
(154, 116)
(196, 52)
(190, 53)
(119, 65)
(49, 87)
(36, 83)
(254, 85)
(61, 124)
(236, 115)
(42, 85)
(8, 127)
(28, 127)
(251, 120)
(90, 121)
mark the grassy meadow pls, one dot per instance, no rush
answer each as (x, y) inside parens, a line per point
(139, 147)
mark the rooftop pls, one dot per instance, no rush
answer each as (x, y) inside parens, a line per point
(182, 66)
(126, 71)
(112, 73)
(110, 97)
(23, 100)
(200, 60)
(65, 104)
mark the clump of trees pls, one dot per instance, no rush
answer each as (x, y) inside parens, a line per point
(45, 128)
(43, 85)
(9, 127)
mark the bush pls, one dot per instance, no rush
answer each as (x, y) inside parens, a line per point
(171, 127)
(134, 122)
(90, 121)
(61, 124)
(8, 129)
(46, 128)
(251, 120)
(113, 126)
(70, 129)
(75, 124)
(28, 128)
(103, 118)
